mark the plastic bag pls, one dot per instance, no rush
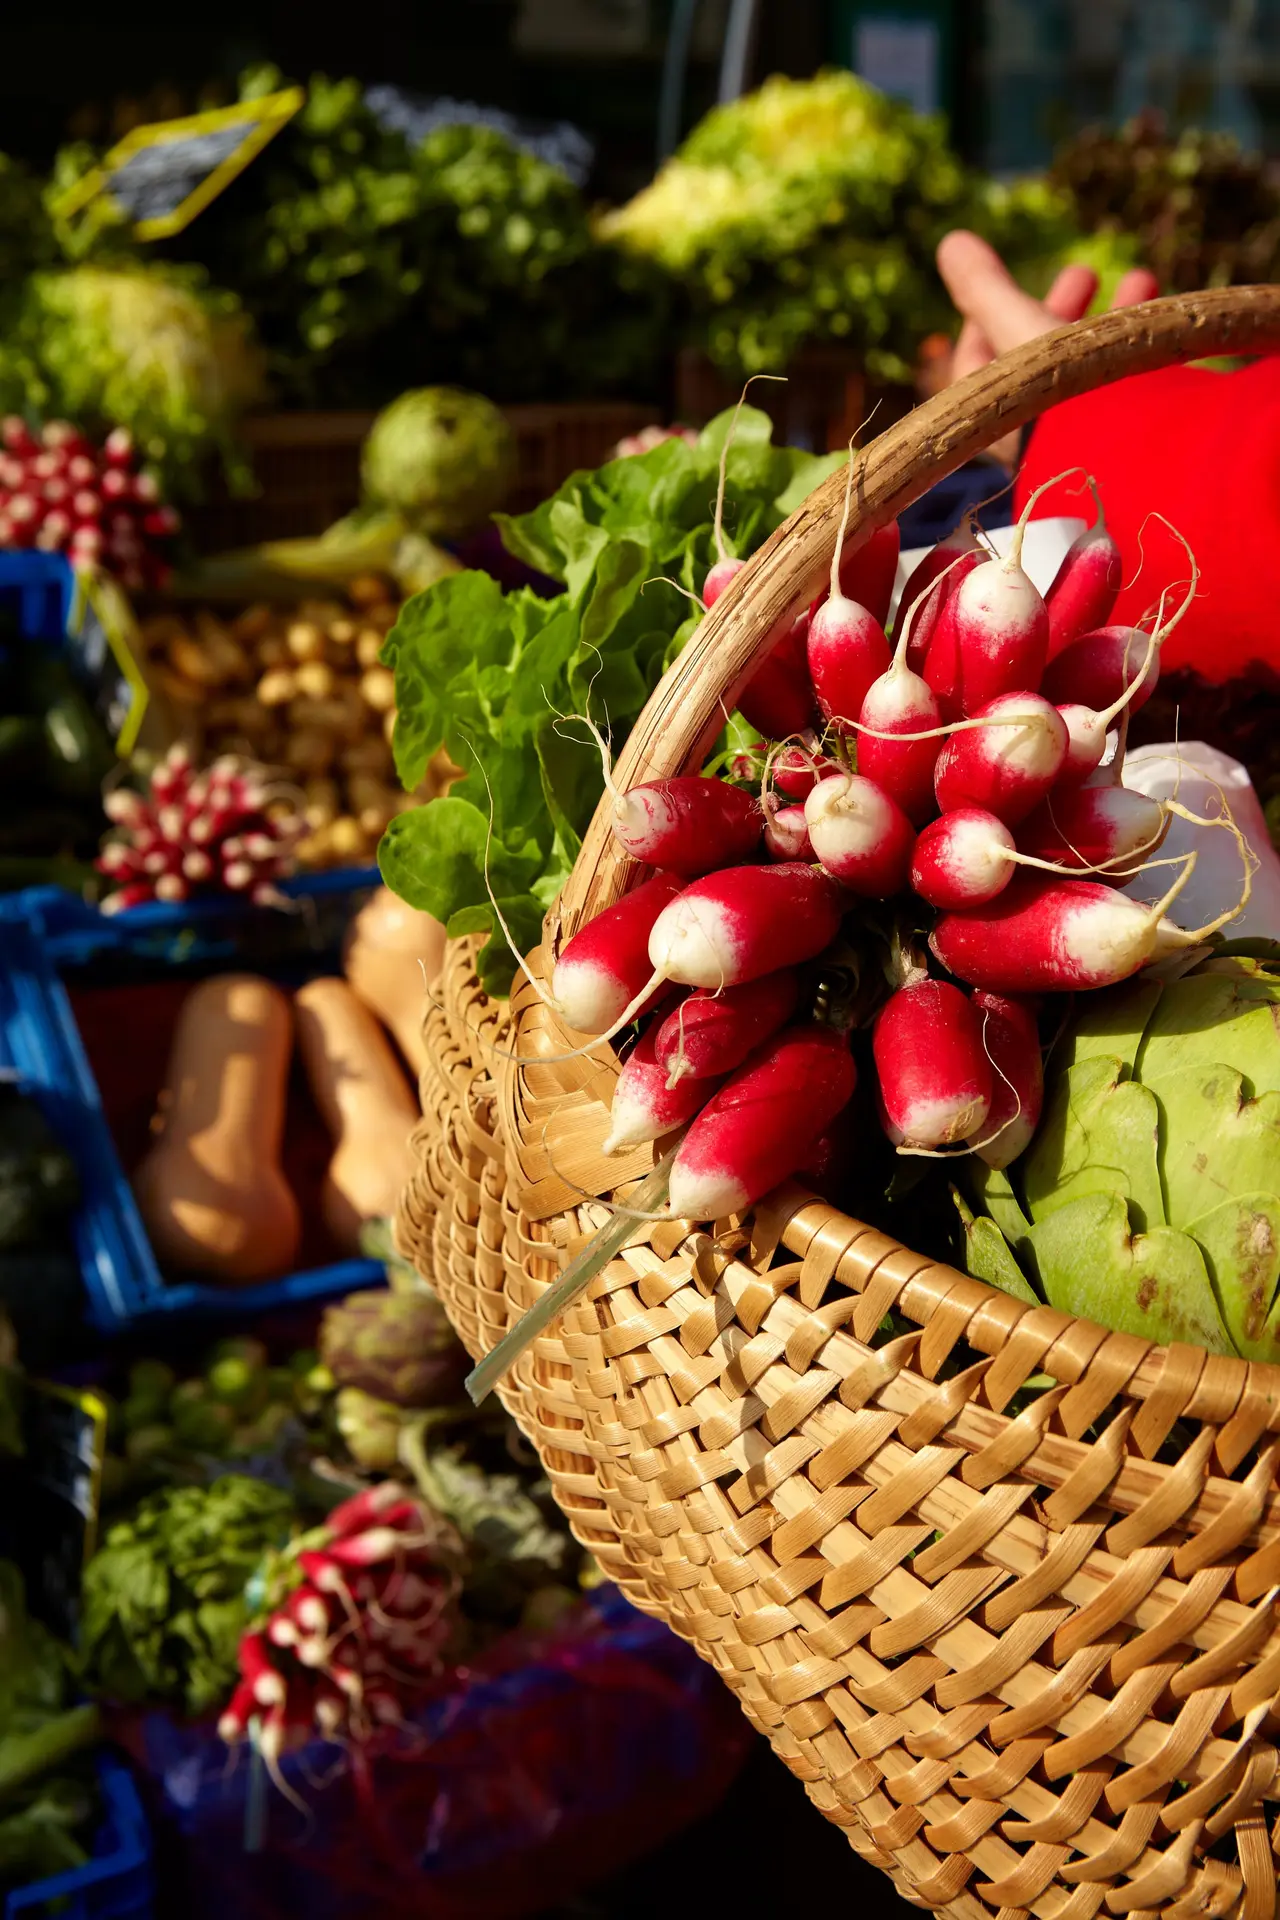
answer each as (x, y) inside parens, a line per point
(541, 1771)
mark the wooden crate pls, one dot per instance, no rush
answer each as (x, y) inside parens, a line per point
(307, 467)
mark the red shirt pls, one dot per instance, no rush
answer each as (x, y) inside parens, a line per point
(1203, 449)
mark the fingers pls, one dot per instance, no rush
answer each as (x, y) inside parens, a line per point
(972, 350)
(1071, 293)
(987, 294)
(1135, 286)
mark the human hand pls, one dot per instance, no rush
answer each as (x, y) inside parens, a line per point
(998, 314)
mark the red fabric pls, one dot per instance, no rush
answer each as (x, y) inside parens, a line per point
(1203, 449)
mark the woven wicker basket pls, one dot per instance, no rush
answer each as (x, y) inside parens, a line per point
(1030, 1661)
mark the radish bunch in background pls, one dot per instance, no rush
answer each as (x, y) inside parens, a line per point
(956, 776)
(59, 493)
(362, 1632)
(219, 831)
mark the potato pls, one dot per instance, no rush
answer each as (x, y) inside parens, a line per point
(272, 651)
(309, 750)
(381, 618)
(187, 657)
(378, 689)
(329, 716)
(342, 632)
(321, 612)
(322, 803)
(369, 646)
(347, 841)
(315, 849)
(172, 686)
(243, 713)
(389, 726)
(305, 640)
(367, 590)
(370, 755)
(314, 680)
(230, 657)
(253, 623)
(278, 687)
(158, 631)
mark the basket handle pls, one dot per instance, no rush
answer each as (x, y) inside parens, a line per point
(686, 711)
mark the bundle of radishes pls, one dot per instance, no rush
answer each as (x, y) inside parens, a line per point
(61, 494)
(359, 1636)
(980, 796)
(222, 830)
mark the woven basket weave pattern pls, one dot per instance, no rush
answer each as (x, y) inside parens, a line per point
(1022, 1646)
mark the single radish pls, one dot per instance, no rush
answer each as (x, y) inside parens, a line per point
(934, 1077)
(860, 834)
(604, 966)
(786, 834)
(778, 700)
(1058, 936)
(797, 769)
(365, 1507)
(934, 579)
(1086, 585)
(1103, 668)
(847, 645)
(963, 859)
(868, 572)
(992, 635)
(901, 703)
(645, 1103)
(710, 1034)
(687, 825)
(763, 1123)
(259, 1670)
(1101, 830)
(233, 1721)
(743, 922)
(1005, 759)
(1011, 1041)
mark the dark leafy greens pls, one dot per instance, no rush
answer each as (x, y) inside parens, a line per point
(489, 675)
(46, 1797)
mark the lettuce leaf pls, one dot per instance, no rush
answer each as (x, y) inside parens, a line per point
(496, 677)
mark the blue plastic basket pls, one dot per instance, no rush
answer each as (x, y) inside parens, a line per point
(40, 589)
(116, 1884)
(46, 930)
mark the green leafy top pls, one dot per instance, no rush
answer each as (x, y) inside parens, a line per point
(488, 675)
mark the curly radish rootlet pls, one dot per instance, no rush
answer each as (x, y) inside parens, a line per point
(908, 888)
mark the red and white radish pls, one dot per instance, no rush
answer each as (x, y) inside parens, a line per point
(1086, 585)
(710, 1034)
(646, 1102)
(1106, 667)
(687, 825)
(933, 580)
(1005, 760)
(901, 703)
(963, 859)
(1011, 1041)
(1059, 936)
(1099, 830)
(605, 965)
(860, 834)
(796, 769)
(786, 834)
(847, 644)
(778, 700)
(992, 635)
(763, 1123)
(743, 922)
(934, 1076)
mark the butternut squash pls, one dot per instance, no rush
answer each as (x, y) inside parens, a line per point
(389, 949)
(365, 1103)
(211, 1193)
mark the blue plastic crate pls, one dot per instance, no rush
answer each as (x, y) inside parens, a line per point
(46, 930)
(40, 589)
(116, 1884)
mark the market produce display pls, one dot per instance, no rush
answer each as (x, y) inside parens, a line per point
(1203, 212)
(494, 676)
(809, 211)
(54, 757)
(301, 689)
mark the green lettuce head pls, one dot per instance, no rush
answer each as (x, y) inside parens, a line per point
(440, 457)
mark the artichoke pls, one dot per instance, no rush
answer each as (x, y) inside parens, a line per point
(371, 1429)
(442, 458)
(1149, 1199)
(395, 1346)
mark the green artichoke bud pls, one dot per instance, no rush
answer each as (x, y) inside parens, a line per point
(371, 1429)
(396, 1346)
(1149, 1199)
